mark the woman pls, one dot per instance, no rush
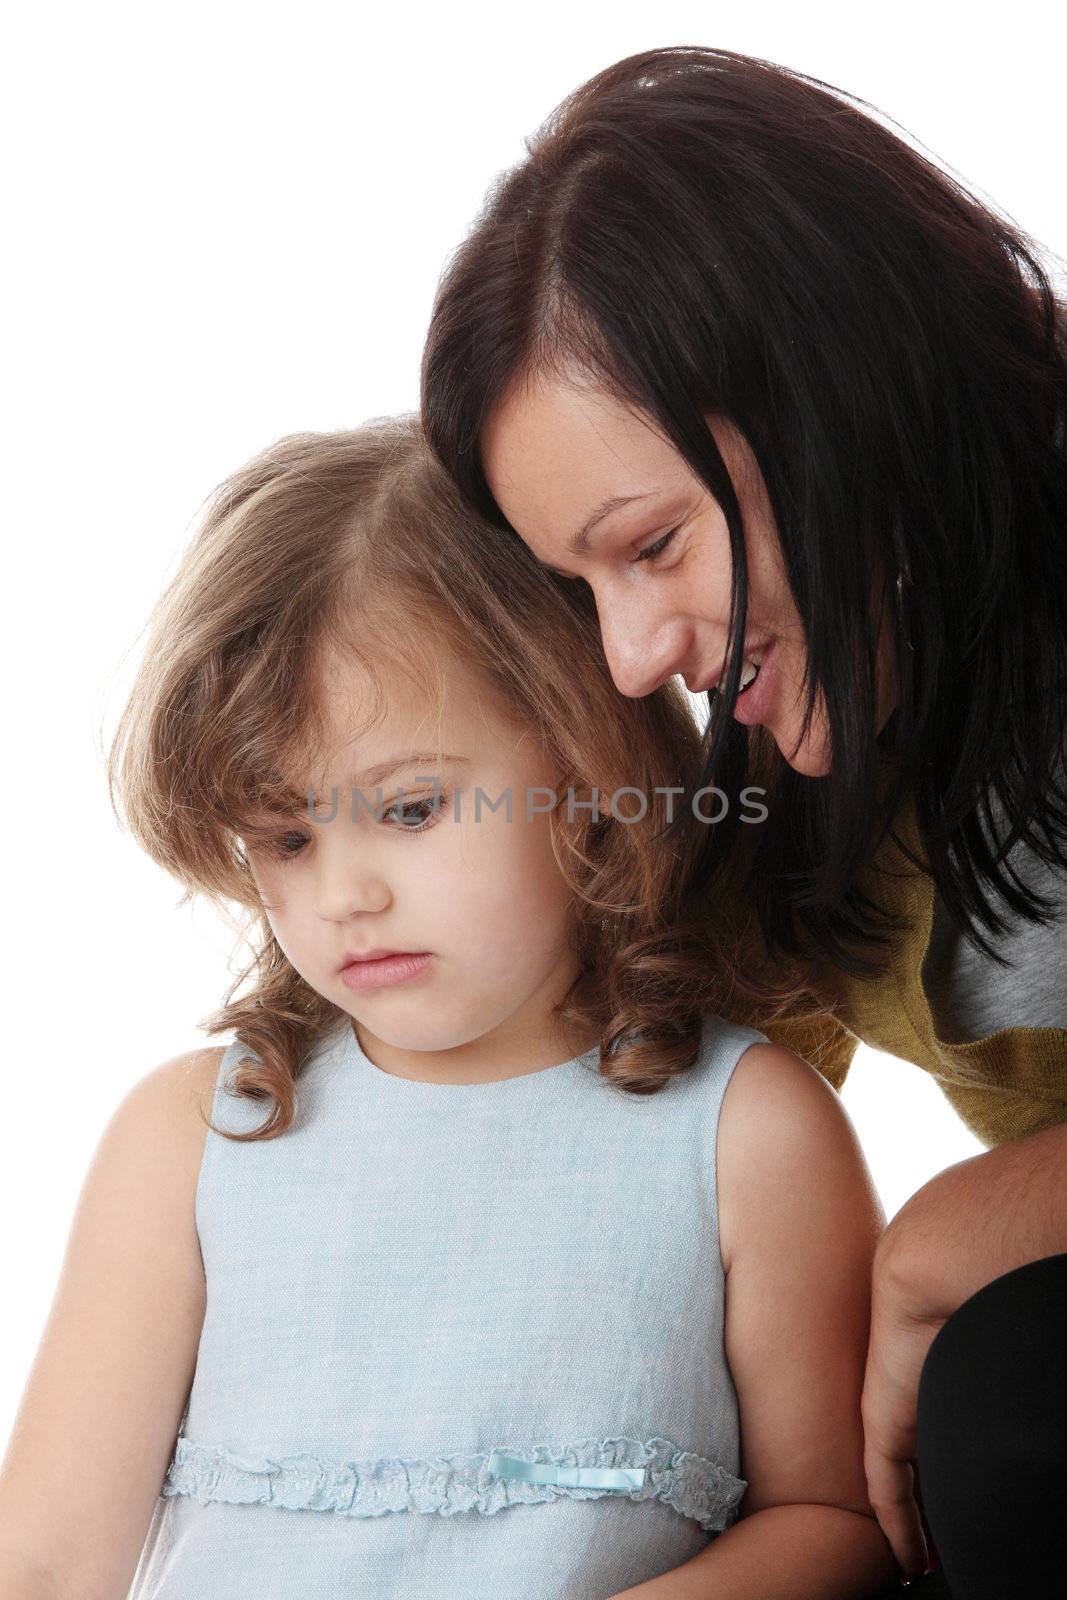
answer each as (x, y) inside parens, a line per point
(789, 406)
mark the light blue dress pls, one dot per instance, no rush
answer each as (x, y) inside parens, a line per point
(460, 1340)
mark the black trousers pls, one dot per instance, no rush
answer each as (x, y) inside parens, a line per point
(992, 1442)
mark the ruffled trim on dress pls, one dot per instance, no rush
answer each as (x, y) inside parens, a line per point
(695, 1486)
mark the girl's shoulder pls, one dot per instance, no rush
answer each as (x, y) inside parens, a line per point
(158, 1132)
(175, 1099)
(191, 1077)
(787, 1154)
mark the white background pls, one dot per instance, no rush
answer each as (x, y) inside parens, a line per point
(225, 224)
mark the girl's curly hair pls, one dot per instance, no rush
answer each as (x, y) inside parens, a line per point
(359, 541)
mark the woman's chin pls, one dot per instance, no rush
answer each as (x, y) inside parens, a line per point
(811, 758)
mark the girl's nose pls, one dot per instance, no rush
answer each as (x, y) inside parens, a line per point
(345, 887)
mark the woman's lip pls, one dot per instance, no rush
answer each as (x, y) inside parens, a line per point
(753, 705)
(753, 648)
(384, 970)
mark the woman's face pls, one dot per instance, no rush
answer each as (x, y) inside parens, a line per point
(563, 456)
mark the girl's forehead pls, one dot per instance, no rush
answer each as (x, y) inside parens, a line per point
(358, 743)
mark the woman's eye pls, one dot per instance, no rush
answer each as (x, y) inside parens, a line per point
(651, 551)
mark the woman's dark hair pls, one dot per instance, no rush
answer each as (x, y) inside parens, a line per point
(702, 232)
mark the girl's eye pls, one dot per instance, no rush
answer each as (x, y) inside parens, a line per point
(651, 551)
(432, 805)
(280, 845)
(413, 815)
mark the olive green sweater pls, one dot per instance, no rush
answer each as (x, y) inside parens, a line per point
(1010, 1083)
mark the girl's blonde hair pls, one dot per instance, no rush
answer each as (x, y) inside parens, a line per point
(358, 540)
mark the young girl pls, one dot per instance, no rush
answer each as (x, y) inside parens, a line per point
(504, 1265)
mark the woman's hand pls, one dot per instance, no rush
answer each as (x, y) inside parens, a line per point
(900, 1337)
(972, 1223)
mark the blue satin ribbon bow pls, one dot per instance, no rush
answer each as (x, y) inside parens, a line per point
(505, 1466)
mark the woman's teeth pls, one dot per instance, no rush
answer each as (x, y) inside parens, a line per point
(749, 675)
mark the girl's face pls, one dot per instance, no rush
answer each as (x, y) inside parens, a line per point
(564, 457)
(482, 894)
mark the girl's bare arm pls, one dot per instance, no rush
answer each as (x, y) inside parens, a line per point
(100, 1411)
(799, 1222)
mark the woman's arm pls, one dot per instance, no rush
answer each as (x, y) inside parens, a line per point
(967, 1226)
(799, 1224)
(104, 1398)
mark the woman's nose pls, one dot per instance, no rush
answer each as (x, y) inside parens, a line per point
(641, 658)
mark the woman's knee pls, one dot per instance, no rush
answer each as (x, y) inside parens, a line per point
(992, 1404)
(1004, 1346)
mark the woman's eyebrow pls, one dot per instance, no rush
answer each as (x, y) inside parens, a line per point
(579, 545)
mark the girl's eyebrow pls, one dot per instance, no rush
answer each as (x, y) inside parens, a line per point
(394, 763)
(408, 758)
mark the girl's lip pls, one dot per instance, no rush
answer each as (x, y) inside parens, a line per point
(378, 954)
(753, 705)
(377, 974)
